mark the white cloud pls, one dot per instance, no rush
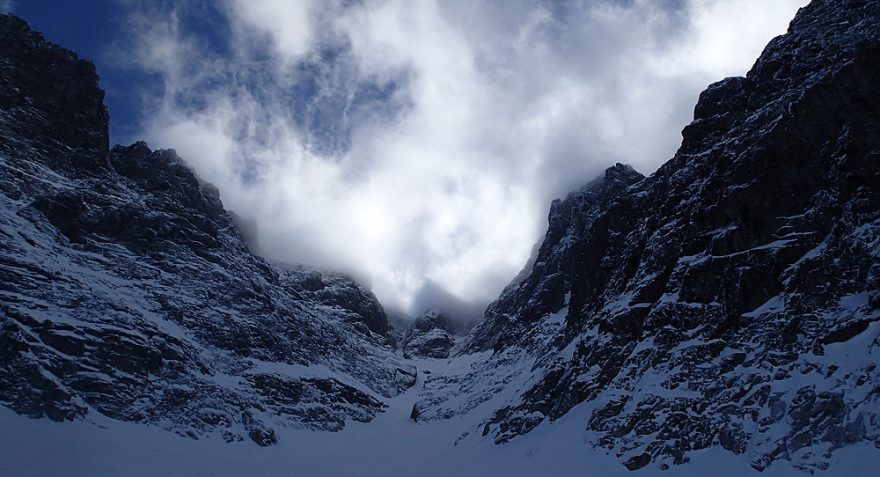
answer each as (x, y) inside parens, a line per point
(507, 106)
(289, 24)
(726, 35)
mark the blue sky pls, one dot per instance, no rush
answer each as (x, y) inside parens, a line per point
(413, 143)
(97, 31)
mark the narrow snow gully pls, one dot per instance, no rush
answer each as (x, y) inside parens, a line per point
(392, 444)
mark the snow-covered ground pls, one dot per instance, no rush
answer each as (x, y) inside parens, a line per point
(391, 445)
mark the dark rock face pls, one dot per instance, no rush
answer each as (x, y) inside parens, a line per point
(430, 336)
(544, 290)
(730, 299)
(63, 112)
(342, 293)
(126, 289)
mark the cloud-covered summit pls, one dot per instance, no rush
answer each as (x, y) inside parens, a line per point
(421, 142)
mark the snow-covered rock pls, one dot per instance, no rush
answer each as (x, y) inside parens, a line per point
(431, 335)
(727, 304)
(728, 300)
(126, 289)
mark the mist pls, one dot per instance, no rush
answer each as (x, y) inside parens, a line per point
(418, 144)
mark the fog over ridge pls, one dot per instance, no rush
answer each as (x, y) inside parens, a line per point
(419, 143)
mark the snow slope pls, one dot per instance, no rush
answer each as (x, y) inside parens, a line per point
(390, 445)
(720, 316)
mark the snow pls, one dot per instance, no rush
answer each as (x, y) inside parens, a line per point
(391, 445)
(773, 305)
(461, 393)
(854, 301)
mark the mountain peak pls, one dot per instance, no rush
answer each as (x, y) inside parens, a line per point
(127, 290)
(728, 301)
(712, 303)
(50, 96)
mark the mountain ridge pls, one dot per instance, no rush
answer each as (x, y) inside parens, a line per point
(724, 300)
(129, 292)
(729, 300)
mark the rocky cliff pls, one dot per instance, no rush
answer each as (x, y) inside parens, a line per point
(126, 289)
(731, 298)
(431, 335)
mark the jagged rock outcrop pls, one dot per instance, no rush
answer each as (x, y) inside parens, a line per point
(342, 293)
(126, 289)
(730, 299)
(431, 335)
(50, 101)
(546, 288)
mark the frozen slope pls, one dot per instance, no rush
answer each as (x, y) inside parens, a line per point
(720, 316)
(390, 445)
